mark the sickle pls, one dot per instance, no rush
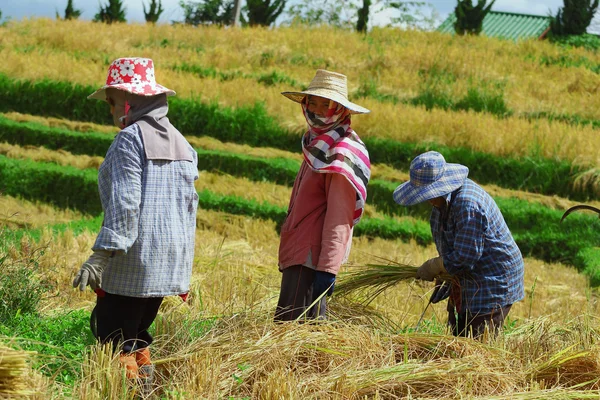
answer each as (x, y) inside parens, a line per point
(579, 207)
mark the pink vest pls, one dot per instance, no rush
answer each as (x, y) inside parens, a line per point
(319, 221)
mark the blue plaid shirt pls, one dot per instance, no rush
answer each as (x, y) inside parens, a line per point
(149, 219)
(478, 248)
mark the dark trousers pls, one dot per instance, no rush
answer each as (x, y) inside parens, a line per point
(123, 320)
(467, 324)
(296, 295)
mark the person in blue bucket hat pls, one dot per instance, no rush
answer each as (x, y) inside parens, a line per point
(474, 244)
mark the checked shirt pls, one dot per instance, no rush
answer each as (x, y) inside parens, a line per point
(478, 249)
(149, 219)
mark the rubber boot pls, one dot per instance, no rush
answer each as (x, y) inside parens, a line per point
(128, 362)
(145, 370)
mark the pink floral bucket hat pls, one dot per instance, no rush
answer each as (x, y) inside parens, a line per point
(134, 75)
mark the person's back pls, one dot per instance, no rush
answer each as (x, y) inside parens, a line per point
(483, 254)
(159, 258)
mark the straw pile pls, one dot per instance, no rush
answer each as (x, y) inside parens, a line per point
(14, 368)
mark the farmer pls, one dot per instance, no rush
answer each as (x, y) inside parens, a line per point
(327, 199)
(145, 248)
(476, 247)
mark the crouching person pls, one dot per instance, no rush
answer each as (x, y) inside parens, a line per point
(474, 244)
(145, 248)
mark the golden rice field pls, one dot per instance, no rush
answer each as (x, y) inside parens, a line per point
(395, 62)
(550, 348)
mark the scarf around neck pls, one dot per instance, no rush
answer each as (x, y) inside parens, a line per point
(331, 146)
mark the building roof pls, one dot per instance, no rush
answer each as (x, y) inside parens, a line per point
(506, 25)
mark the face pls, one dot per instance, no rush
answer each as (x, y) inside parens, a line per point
(319, 105)
(116, 111)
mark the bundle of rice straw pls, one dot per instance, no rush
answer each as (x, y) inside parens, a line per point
(372, 279)
(13, 372)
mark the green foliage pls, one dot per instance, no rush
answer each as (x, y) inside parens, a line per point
(574, 17)
(208, 12)
(482, 96)
(586, 40)
(64, 187)
(60, 341)
(111, 12)
(363, 17)
(263, 12)
(469, 18)
(21, 286)
(154, 11)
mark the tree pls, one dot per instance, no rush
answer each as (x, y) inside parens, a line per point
(263, 12)
(154, 11)
(469, 18)
(363, 17)
(339, 13)
(112, 12)
(574, 17)
(208, 12)
(70, 11)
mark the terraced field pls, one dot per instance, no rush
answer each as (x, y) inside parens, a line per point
(523, 119)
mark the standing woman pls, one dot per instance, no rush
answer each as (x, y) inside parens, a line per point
(327, 200)
(145, 248)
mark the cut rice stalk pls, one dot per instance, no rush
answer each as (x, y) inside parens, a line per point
(373, 279)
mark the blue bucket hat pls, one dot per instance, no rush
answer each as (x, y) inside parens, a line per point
(430, 177)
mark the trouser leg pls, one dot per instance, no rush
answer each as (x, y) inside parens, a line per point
(296, 295)
(124, 321)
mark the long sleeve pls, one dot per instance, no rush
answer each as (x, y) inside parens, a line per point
(337, 227)
(120, 187)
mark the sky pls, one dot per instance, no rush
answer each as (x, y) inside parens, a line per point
(19, 9)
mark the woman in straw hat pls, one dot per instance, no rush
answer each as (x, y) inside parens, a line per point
(474, 243)
(145, 248)
(327, 199)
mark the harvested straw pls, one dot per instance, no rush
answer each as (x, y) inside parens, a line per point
(373, 279)
(13, 372)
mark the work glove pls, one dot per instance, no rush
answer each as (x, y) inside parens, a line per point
(90, 272)
(324, 281)
(431, 269)
(441, 291)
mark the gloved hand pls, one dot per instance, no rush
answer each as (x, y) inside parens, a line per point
(90, 272)
(441, 291)
(431, 269)
(324, 281)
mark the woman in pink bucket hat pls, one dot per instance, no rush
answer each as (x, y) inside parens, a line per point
(328, 198)
(474, 244)
(145, 248)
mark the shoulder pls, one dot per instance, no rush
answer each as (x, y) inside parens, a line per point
(129, 139)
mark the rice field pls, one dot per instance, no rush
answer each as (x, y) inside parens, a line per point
(223, 343)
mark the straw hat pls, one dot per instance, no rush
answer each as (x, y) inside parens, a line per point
(330, 85)
(430, 177)
(134, 75)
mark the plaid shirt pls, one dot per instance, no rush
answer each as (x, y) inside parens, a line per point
(149, 219)
(478, 248)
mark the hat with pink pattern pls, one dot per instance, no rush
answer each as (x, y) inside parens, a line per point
(134, 75)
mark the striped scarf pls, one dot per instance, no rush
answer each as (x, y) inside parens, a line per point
(331, 146)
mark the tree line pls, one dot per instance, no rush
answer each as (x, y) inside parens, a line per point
(573, 18)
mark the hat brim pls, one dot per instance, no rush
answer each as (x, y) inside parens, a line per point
(128, 87)
(408, 194)
(298, 97)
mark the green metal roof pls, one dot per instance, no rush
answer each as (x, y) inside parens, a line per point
(506, 25)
